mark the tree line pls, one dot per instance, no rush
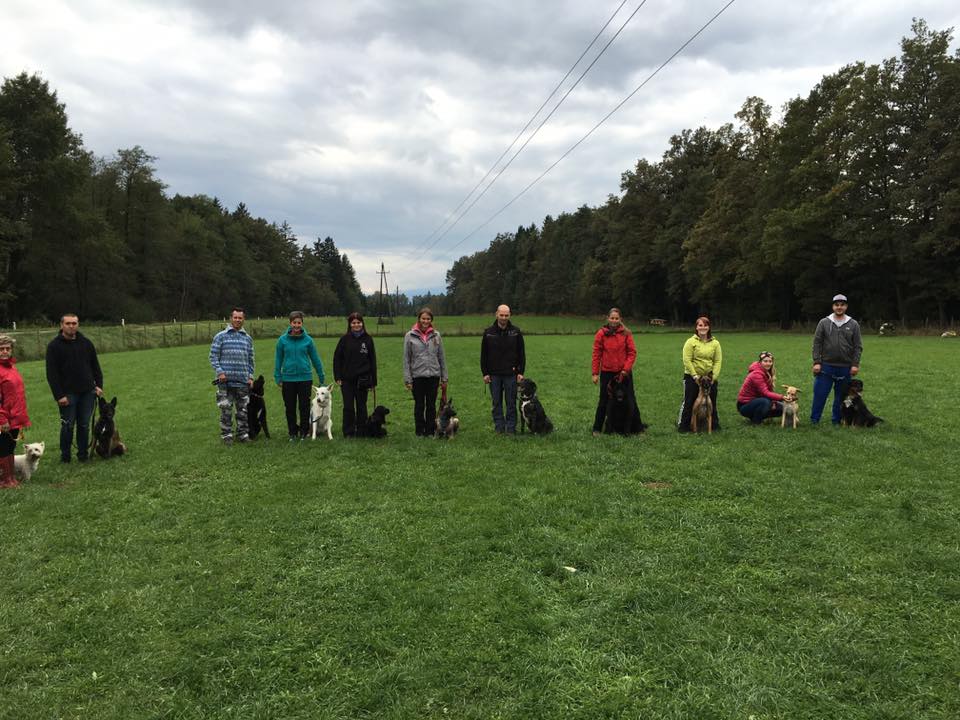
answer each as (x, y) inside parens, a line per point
(856, 189)
(100, 236)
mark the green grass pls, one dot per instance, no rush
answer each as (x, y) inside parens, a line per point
(755, 573)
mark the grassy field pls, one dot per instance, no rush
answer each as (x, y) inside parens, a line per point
(757, 573)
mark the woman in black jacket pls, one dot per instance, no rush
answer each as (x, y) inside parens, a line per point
(355, 371)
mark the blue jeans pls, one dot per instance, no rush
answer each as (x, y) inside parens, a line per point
(504, 386)
(758, 409)
(835, 377)
(78, 412)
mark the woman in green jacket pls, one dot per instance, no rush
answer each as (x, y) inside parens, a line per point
(701, 356)
(292, 372)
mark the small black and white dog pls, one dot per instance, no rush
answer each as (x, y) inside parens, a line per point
(447, 421)
(532, 414)
(257, 410)
(623, 415)
(376, 422)
(853, 410)
(106, 439)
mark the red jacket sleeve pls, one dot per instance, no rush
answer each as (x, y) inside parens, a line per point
(631, 353)
(758, 387)
(597, 351)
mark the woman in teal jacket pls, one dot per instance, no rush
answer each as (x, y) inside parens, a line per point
(291, 370)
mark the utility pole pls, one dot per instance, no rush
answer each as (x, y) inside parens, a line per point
(383, 299)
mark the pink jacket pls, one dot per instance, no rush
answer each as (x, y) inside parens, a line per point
(757, 384)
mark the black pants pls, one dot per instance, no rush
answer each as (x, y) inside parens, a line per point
(8, 442)
(354, 408)
(425, 404)
(297, 394)
(690, 391)
(601, 414)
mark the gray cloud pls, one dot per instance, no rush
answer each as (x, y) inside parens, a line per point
(369, 121)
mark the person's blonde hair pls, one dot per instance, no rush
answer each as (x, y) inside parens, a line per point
(7, 340)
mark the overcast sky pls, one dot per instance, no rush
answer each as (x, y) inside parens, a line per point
(370, 120)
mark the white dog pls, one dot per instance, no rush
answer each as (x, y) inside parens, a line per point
(321, 411)
(26, 465)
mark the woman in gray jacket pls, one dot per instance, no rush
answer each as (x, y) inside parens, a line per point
(424, 370)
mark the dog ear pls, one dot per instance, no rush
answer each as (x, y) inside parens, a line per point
(114, 402)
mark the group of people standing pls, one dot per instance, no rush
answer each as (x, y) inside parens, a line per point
(76, 380)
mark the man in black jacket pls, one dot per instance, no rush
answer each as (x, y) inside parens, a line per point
(75, 378)
(502, 362)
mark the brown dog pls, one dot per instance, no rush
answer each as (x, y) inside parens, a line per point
(703, 406)
(791, 409)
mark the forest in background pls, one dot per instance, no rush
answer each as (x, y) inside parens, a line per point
(856, 190)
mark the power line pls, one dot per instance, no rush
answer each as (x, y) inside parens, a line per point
(591, 131)
(524, 129)
(534, 133)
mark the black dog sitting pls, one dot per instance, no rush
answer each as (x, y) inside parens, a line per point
(257, 410)
(623, 415)
(376, 423)
(447, 421)
(853, 410)
(532, 413)
(106, 439)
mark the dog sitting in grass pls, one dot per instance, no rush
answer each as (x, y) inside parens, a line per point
(702, 415)
(321, 412)
(622, 415)
(532, 414)
(791, 408)
(24, 466)
(257, 410)
(447, 421)
(107, 442)
(377, 422)
(853, 410)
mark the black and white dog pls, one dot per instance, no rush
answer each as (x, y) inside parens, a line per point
(623, 415)
(853, 410)
(376, 422)
(532, 414)
(257, 410)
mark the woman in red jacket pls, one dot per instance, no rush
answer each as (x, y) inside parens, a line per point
(613, 356)
(757, 400)
(13, 410)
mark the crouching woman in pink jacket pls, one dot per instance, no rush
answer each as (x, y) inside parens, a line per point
(757, 400)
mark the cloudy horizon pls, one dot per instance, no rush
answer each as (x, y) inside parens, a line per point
(370, 121)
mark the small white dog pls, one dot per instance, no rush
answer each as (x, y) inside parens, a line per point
(24, 466)
(321, 411)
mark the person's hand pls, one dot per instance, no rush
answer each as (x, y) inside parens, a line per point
(443, 383)
(408, 386)
(854, 369)
(596, 379)
(250, 383)
(519, 377)
(339, 383)
(98, 391)
(222, 377)
(280, 383)
(5, 427)
(621, 376)
(816, 368)
(486, 379)
(63, 402)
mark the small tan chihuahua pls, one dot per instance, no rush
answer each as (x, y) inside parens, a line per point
(791, 410)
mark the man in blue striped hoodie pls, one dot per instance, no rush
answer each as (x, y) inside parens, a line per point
(231, 356)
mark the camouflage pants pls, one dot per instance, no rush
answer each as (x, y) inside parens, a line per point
(227, 398)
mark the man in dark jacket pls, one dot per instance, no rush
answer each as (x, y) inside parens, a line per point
(75, 379)
(836, 358)
(502, 362)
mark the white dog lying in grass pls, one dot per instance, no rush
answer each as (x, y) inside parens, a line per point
(321, 412)
(24, 466)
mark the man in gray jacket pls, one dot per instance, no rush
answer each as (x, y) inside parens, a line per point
(836, 358)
